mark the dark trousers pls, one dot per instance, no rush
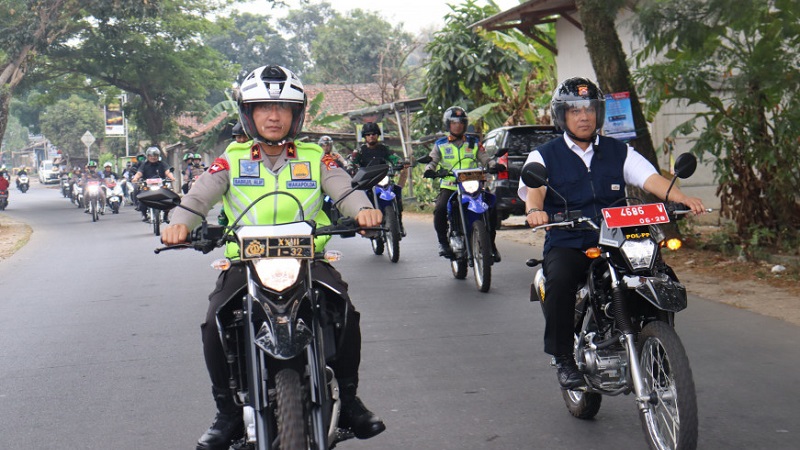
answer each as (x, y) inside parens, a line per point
(230, 285)
(564, 270)
(440, 217)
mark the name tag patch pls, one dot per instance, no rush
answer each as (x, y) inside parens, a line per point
(615, 187)
(248, 182)
(310, 184)
(250, 169)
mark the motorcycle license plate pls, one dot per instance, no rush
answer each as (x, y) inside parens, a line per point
(631, 216)
(278, 247)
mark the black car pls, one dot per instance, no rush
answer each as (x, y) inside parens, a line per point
(520, 140)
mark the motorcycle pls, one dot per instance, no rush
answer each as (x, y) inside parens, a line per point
(384, 198)
(77, 193)
(66, 186)
(468, 221)
(280, 332)
(625, 341)
(154, 216)
(23, 184)
(114, 195)
(3, 199)
(93, 199)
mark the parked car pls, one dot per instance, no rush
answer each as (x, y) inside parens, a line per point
(48, 172)
(520, 140)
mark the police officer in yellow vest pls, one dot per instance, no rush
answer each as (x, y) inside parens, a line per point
(272, 106)
(461, 151)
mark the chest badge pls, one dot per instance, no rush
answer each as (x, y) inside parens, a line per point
(249, 169)
(301, 170)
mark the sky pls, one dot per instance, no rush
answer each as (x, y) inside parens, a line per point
(415, 14)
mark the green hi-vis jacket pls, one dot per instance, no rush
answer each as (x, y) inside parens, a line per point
(249, 179)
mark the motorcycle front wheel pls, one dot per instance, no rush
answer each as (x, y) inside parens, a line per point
(392, 234)
(583, 405)
(671, 420)
(155, 217)
(93, 207)
(481, 256)
(377, 244)
(459, 268)
(289, 411)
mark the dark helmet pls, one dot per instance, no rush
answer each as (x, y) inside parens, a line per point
(370, 127)
(237, 130)
(454, 114)
(271, 84)
(577, 92)
(140, 157)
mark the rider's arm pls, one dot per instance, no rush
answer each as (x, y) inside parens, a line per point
(336, 182)
(436, 156)
(640, 172)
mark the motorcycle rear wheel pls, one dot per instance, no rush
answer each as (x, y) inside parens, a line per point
(671, 420)
(289, 411)
(392, 234)
(583, 405)
(481, 256)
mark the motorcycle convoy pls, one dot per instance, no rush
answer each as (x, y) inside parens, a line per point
(279, 334)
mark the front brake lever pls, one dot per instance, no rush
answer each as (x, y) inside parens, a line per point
(173, 247)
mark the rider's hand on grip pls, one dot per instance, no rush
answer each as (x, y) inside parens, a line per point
(429, 173)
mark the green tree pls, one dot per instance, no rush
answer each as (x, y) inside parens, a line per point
(29, 29)
(464, 66)
(249, 41)
(354, 49)
(65, 122)
(161, 60)
(738, 60)
(302, 26)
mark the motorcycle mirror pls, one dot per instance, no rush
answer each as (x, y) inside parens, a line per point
(424, 160)
(534, 175)
(369, 176)
(160, 199)
(685, 165)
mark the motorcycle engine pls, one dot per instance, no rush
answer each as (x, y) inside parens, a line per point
(606, 368)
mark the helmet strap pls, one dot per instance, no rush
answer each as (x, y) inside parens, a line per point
(591, 139)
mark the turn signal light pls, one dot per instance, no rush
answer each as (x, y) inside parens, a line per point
(673, 244)
(221, 264)
(333, 255)
(593, 252)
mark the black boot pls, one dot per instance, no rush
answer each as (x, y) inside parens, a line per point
(445, 250)
(495, 253)
(356, 417)
(228, 424)
(569, 377)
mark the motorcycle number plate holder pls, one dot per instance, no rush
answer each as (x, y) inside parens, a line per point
(636, 215)
(301, 247)
(470, 175)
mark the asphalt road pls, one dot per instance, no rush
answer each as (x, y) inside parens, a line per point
(100, 348)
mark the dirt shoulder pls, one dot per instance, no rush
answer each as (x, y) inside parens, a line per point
(742, 284)
(13, 236)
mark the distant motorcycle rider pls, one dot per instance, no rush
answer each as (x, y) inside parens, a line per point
(152, 168)
(457, 150)
(375, 152)
(92, 174)
(326, 142)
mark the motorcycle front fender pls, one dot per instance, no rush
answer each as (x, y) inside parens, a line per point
(283, 340)
(662, 291)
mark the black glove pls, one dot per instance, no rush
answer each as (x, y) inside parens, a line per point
(429, 173)
(500, 167)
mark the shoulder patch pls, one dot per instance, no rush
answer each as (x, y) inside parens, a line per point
(219, 165)
(330, 162)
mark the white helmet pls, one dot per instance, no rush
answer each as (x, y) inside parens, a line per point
(153, 151)
(271, 84)
(107, 164)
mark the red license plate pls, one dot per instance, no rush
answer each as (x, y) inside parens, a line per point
(632, 216)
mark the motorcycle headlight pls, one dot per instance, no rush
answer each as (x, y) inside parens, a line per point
(471, 187)
(278, 273)
(384, 182)
(94, 188)
(639, 253)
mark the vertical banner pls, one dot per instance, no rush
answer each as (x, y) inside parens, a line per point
(619, 116)
(115, 122)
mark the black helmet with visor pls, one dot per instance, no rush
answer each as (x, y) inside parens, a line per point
(580, 93)
(454, 114)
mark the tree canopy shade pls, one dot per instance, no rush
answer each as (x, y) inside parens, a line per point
(462, 62)
(740, 61)
(29, 29)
